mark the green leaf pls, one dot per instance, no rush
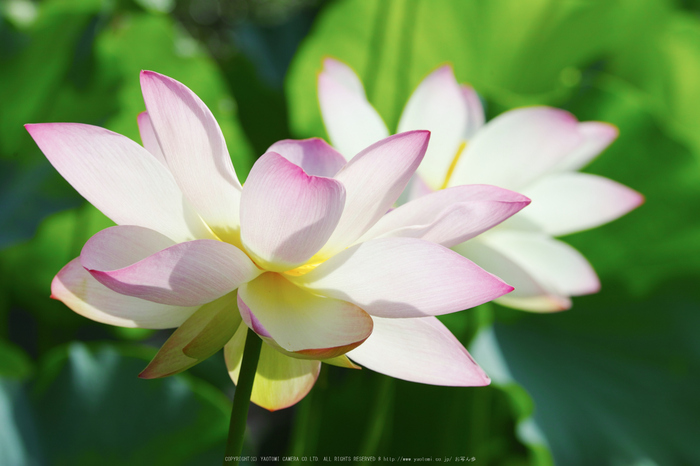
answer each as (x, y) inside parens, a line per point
(664, 63)
(91, 408)
(515, 53)
(36, 69)
(14, 362)
(19, 444)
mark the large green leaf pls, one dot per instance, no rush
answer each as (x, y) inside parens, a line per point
(513, 52)
(45, 77)
(37, 67)
(87, 407)
(665, 64)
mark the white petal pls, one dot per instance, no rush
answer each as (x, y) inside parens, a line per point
(535, 264)
(351, 121)
(418, 350)
(597, 136)
(437, 105)
(119, 177)
(449, 216)
(568, 202)
(517, 147)
(195, 150)
(149, 138)
(403, 277)
(77, 289)
(280, 381)
(287, 215)
(475, 112)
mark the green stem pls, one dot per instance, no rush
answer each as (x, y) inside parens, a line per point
(381, 413)
(376, 48)
(241, 398)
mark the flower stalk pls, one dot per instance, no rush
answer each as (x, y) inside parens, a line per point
(241, 398)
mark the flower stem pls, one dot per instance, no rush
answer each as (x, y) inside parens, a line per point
(382, 413)
(241, 398)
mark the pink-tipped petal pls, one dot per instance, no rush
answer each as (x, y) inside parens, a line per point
(351, 121)
(314, 155)
(437, 105)
(597, 136)
(149, 138)
(475, 112)
(280, 381)
(119, 177)
(77, 289)
(287, 215)
(517, 147)
(567, 202)
(419, 350)
(195, 150)
(449, 216)
(373, 181)
(535, 264)
(185, 274)
(403, 277)
(299, 321)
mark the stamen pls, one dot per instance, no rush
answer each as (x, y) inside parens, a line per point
(451, 169)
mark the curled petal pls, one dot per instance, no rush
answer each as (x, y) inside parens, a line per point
(195, 150)
(419, 350)
(568, 202)
(119, 177)
(314, 155)
(299, 321)
(449, 216)
(200, 336)
(280, 381)
(77, 289)
(287, 215)
(185, 274)
(403, 277)
(373, 181)
(437, 105)
(351, 121)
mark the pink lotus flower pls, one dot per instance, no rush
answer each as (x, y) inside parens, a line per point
(303, 254)
(535, 150)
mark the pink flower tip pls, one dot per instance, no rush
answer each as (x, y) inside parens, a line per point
(329, 61)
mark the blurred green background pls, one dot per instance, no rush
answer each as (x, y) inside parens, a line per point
(611, 382)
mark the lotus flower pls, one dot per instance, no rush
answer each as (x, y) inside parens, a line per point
(304, 254)
(534, 150)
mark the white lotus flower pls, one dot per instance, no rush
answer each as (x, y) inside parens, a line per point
(535, 151)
